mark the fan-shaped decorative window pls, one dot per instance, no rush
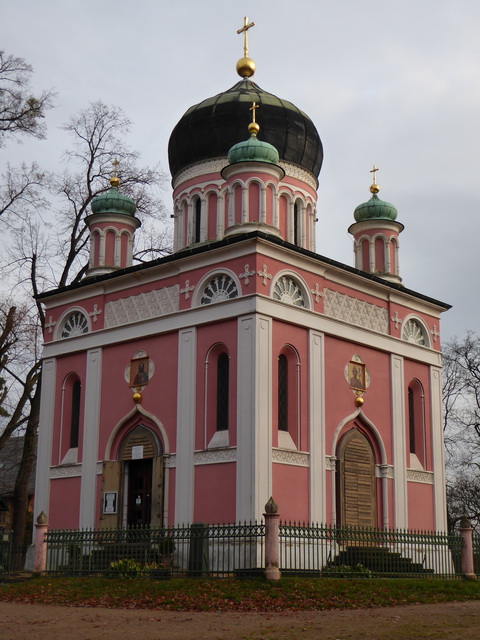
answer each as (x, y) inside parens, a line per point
(220, 288)
(414, 332)
(287, 290)
(75, 325)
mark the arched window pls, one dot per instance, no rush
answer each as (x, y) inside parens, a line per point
(282, 393)
(222, 391)
(75, 414)
(198, 220)
(416, 424)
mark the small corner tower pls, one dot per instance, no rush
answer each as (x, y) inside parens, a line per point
(375, 234)
(112, 226)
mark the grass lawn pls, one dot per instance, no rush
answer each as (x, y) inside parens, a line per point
(289, 594)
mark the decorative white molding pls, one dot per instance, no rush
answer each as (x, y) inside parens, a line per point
(215, 456)
(384, 471)
(96, 312)
(330, 463)
(66, 471)
(171, 461)
(200, 169)
(143, 306)
(296, 458)
(294, 171)
(342, 307)
(424, 477)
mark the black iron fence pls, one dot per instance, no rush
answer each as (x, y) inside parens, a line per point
(239, 550)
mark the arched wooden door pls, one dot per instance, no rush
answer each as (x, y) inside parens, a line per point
(356, 481)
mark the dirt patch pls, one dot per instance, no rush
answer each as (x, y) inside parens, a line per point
(457, 620)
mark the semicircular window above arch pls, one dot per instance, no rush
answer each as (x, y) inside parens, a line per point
(219, 288)
(414, 332)
(287, 290)
(75, 324)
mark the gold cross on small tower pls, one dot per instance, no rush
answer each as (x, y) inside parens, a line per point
(374, 171)
(253, 109)
(244, 30)
(115, 165)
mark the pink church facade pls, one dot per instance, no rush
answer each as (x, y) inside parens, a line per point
(244, 365)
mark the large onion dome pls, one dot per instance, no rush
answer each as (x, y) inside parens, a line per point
(212, 127)
(113, 201)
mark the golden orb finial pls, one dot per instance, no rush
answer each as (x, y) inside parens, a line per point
(374, 188)
(359, 401)
(114, 181)
(245, 66)
(137, 397)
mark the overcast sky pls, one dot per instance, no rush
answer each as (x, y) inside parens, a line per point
(395, 84)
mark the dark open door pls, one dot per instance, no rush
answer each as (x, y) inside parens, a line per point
(139, 492)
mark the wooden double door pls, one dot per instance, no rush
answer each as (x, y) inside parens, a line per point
(356, 495)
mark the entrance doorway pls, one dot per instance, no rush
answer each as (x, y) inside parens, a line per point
(356, 481)
(139, 505)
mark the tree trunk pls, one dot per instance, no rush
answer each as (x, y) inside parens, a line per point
(20, 541)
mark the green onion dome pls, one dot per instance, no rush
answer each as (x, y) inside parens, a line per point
(253, 150)
(113, 201)
(375, 209)
(212, 127)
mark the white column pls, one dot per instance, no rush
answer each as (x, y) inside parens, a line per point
(45, 437)
(118, 249)
(371, 246)
(101, 250)
(290, 222)
(220, 216)
(254, 416)
(190, 223)
(244, 203)
(203, 219)
(184, 476)
(438, 450)
(399, 443)
(275, 206)
(263, 203)
(316, 428)
(91, 425)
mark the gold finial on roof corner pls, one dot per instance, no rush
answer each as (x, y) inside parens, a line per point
(114, 181)
(245, 66)
(374, 188)
(253, 127)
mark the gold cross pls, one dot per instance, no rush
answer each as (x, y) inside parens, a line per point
(244, 30)
(115, 165)
(253, 108)
(374, 171)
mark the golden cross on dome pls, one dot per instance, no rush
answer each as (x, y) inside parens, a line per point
(253, 109)
(115, 165)
(244, 30)
(374, 171)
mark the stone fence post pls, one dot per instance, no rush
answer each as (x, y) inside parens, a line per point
(272, 544)
(465, 531)
(40, 558)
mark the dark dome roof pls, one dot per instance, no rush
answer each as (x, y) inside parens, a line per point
(209, 129)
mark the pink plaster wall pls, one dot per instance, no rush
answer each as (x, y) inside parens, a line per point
(290, 488)
(64, 503)
(420, 506)
(215, 490)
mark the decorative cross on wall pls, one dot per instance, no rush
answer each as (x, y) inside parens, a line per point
(96, 312)
(50, 324)
(246, 274)
(396, 320)
(435, 333)
(316, 292)
(187, 289)
(263, 274)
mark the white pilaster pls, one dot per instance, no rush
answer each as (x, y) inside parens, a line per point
(399, 443)
(45, 437)
(184, 477)
(91, 424)
(440, 504)
(316, 428)
(254, 416)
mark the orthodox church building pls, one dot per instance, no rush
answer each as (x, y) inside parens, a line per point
(244, 365)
